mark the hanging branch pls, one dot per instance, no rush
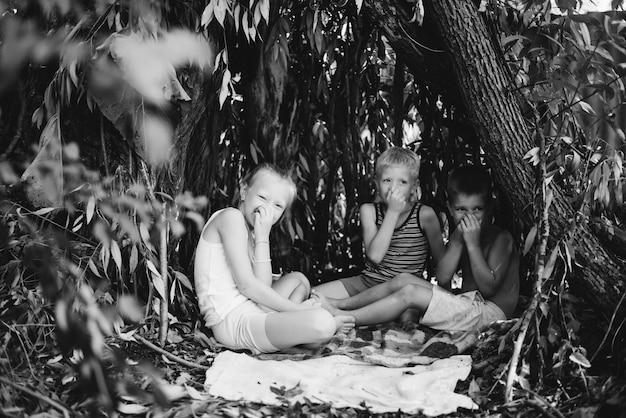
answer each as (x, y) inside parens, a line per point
(539, 268)
(103, 145)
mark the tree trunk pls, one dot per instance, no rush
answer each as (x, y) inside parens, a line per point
(495, 113)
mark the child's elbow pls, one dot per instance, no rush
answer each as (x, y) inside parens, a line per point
(246, 290)
(489, 291)
(374, 257)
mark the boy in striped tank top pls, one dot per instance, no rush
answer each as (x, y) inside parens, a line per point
(399, 233)
(485, 254)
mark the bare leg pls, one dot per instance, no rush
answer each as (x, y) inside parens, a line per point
(334, 289)
(375, 293)
(293, 286)
(390, 307)
(312, 326)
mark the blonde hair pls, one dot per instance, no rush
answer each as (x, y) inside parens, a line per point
(249, 179)
(398, 156)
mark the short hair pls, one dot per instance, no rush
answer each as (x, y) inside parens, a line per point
(398, 156)
(284, 175)
(469, 180)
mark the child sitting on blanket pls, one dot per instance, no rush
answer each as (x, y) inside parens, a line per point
(485, 254)
(399, 233)
(241, 302)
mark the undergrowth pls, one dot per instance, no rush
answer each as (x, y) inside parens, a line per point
(80, 295)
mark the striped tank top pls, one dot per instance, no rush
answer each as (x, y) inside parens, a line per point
(407, 252)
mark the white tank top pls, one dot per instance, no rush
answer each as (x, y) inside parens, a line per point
(215, 287)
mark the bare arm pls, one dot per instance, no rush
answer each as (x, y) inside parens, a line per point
(262, 263)
(489, 274)
(449, 263)
(231, 227)
(432, 229)
(377, 240)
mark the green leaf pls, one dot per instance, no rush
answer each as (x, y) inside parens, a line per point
(220, 11)
(91, 207)
(225, 88)
(586, 107)
(530, 239)
(547, 271)
(93, 268)
(359, 5)
(117, 255)
(157, 280)
(253, 154)
(43, 211)
(184, 280)
(133, 260)
(105, 255)
(132, 409)
(208, 14)
(578, 358)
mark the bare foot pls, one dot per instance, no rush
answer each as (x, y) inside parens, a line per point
(326, 302)
(344, 324)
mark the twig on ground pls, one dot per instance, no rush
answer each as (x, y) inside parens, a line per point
(168, 354)
(541, 404)
(540, 408)
(37, 395)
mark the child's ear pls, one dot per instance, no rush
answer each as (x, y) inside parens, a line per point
(243, 190)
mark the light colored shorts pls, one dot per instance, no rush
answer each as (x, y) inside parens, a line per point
(462, 312)
(244, 328)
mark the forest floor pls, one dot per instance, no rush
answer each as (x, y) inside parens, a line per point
(169, 382)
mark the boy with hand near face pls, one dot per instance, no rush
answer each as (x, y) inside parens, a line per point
(484, 253)
(399, 232)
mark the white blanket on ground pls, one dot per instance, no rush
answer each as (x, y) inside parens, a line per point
(343, 382)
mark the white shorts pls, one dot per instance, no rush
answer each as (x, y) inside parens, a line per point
(469, 310)
(244, 328)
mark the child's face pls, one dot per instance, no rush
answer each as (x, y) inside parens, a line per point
(267, 190)
(398, 178)
(466, 204)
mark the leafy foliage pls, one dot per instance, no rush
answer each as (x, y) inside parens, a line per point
(190, 94)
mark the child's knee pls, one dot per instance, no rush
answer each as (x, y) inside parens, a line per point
(409, 293)
(299, 278)
(403, 279)
(304, 281)
(414, 296)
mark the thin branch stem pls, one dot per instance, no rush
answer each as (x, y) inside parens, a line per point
(608, 331)
(540, 267)
(163, 261)
(103, 144)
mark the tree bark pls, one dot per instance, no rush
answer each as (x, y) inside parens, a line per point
(495, 113)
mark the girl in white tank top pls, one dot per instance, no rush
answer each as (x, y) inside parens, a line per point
(241, 302)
